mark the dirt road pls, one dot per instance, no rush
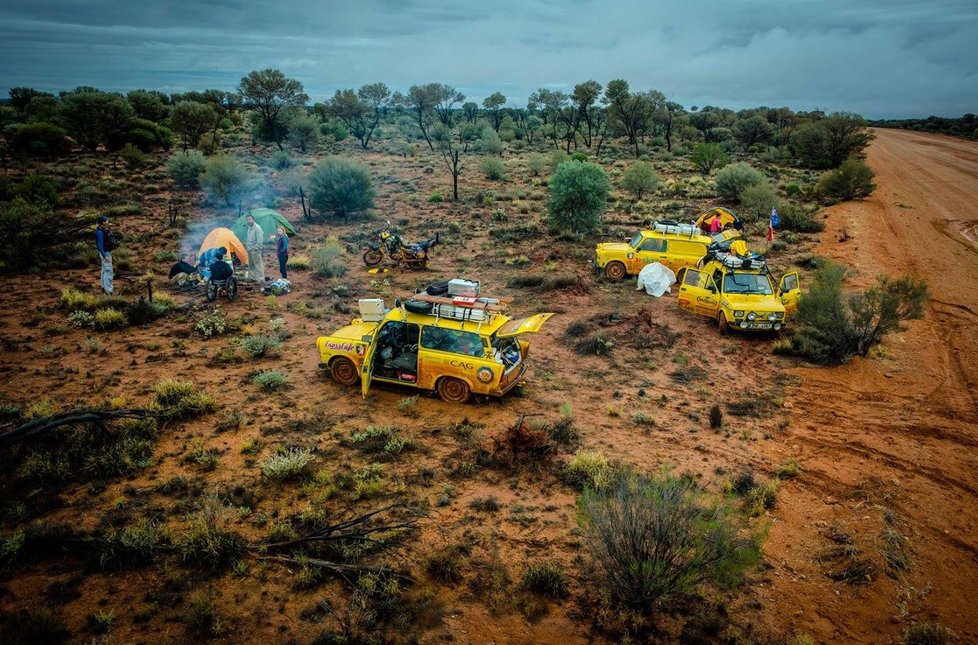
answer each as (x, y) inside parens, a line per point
(890, 444)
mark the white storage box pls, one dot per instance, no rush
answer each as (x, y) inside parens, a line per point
(371, 309)
(461, 313)
(466, 288)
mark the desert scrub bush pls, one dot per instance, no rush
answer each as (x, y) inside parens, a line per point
(287, 464)
(207, 540)
(299, 261)
(340, 187)
(546, 578)
(757, 201)
(639, 179)
(225, 180)
(132, 156)
(132, 545)
(653, 539)
(587, 469)
(708, 156)
(595, 345)
(212, 323)
(788, 470)
(81, 319)
(33, 625)
(446, 565)
(261, 345)
(537, 163)
(185, 168)
(928, 634)
(270, 381)
(380, 439)
(181, 399)
(734, 178)
(493, 168)
(281, 160)
(74, 299)
(327, 259)
(716, 417)
(831, 327)
(436, 198)
(109, 318)
(852, 180)
(562, 431)
(204, 620)
(578, 194)
(796, 219)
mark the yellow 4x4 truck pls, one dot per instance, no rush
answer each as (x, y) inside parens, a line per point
(739, 294)
(432, 343)
(670, 243)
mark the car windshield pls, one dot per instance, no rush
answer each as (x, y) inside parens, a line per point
(750, 283)
(635, 241)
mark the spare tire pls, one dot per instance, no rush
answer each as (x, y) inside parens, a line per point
(439, 288)
(418, 307)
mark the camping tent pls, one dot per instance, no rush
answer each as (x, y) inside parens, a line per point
(267, 219)
(726, 217)
(224, 237)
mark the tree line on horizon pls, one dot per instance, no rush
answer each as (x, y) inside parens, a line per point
(39, 123)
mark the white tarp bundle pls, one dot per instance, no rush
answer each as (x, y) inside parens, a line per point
(656, 279)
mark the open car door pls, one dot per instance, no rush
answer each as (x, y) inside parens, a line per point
(698, 293)
(529, 325)
(790, 289)
(367, 367)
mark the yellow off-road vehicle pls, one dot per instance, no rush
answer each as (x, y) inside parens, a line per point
(670, 243)
(738, 293)
(433, 343)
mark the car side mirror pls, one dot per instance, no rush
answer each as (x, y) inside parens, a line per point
(712, 288)
(366, 338)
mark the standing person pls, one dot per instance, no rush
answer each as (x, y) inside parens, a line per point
(103, 241)
(256, 263)
(282, 250)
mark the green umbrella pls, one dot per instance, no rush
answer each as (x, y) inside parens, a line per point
(267, 219)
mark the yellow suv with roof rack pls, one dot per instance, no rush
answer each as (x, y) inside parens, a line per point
(457, 346)
(738, 294)
(670, 243)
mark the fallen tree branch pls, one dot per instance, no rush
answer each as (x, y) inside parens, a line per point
(337, 567)
(344, 530)
(43, 425)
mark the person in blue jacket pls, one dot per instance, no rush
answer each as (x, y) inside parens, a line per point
(103, 242)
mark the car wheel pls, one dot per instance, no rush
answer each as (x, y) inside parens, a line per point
(211, 291)
(453, 390)
(372, 258)
(344, 371)
(615, 270)
(722, 323)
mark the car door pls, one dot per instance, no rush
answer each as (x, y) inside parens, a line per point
(652, 249)
(698, 293)
(790, 290)
(367, 368)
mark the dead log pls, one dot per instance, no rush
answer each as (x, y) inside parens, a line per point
(43, 425)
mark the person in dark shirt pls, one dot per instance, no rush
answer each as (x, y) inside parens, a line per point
(103, 242)
(282, 251)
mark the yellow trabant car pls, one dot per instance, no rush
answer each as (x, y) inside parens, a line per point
(456, 351)
(670, 243)
(739, 294)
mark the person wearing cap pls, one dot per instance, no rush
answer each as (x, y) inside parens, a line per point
(255, 240)
(103, 242)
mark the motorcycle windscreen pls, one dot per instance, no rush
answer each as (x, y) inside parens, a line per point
(529, 325)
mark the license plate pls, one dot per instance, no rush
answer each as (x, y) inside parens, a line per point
(762, 325)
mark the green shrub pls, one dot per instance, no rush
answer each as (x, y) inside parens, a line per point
(537, 164)
(81, 319)
(639, 179)
(37, 189)
(207, 540)
(40, 139)
(340, 187)
(587, 469)
(707, 156)
(852, 180)
(831, 328)
(270, 381)
(299, 261)
(788, 470)
(132, 545)
(132, 156)
(758, 200)
(182, 398)
(281, 160)
(578, 195)
(436, 198)
(327, 259)
(380, 439)
(545, 578)
(226, 180)
(734, 178)
(72, 298)
(109, 318)
(489, 142)
(928, 634)
(655, 539)
(796, 219)
(828, 142)
(261, 345)
(493, 168)
(212, 323)
(185, 168)
(595, 345)
(285, 465)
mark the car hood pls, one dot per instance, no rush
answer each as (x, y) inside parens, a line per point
(354, 331)
(753, 302)
(616, 247)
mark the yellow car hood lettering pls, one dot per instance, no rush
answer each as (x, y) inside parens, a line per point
(523, 325)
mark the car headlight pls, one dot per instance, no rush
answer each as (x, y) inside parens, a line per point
(779, 314)
(772, 317)
(751, 316)
(738, 313)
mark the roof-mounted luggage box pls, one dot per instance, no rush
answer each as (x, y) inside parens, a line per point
(672, 226)
(464, 288)
(455, 312)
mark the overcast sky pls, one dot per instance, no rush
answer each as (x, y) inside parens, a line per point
(881, 58)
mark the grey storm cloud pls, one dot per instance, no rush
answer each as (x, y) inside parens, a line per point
(880, 58)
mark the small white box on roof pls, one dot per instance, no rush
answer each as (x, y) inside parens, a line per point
(466, 288)
(371, 309)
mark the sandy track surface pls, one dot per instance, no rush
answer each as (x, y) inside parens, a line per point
(897, 436)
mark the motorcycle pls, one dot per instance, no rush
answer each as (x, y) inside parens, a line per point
(390, 244)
